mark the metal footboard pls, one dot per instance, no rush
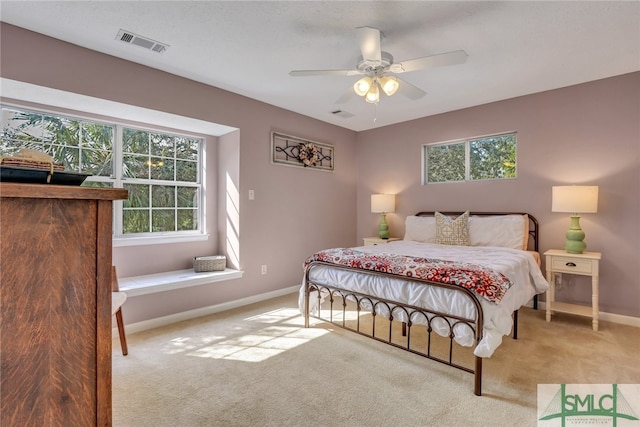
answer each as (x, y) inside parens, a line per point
(337, 315)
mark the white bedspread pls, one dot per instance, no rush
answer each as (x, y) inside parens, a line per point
(518, 266)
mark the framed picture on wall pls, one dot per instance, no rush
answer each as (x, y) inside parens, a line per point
(294, 151)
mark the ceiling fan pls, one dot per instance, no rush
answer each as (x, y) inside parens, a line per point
(376, 65)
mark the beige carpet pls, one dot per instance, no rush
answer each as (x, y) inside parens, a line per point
(258, 366)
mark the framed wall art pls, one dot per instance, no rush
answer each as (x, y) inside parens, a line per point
(294, 151)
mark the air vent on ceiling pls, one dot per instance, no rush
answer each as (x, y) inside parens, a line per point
(145, 42)
(343, 114)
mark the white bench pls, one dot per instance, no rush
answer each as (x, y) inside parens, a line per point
(159, 282)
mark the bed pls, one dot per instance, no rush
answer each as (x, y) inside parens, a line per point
(461, 276)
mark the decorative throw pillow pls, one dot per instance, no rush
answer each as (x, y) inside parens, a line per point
(452, 231)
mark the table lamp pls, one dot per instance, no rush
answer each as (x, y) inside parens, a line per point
(574, 199)
(383, 204)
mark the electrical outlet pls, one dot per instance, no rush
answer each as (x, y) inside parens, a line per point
(263, 269)
(252, 196)
(558, 279)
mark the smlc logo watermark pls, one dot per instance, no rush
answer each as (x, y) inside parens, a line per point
(616, 405)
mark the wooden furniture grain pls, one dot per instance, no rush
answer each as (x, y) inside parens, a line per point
(55, 305)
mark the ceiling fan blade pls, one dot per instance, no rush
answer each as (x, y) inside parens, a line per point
(449, 58)
(369, 40)
(410, 91)
(303, 73)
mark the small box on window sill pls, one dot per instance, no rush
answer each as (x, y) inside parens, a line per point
(209, 263)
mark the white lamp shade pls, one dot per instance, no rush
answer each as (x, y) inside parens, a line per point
(574, 199)
(373, 95)
(389, 85)
(383, 203)
(362, 86)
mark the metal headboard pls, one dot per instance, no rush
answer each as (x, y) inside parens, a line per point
(533, 222)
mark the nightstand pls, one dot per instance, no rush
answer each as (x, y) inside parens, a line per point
(584, 264)
(372, 241)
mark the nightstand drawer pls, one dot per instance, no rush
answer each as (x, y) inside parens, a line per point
(572, 265)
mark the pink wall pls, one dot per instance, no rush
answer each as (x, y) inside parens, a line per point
(585, 134)
(296, 211)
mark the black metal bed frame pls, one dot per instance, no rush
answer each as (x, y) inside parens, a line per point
(411, 312)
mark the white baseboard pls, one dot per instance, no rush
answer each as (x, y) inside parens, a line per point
(606, 317)
(619, 318)
(204, 311)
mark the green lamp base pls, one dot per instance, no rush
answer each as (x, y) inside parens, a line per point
(383, 228)
(575, 237)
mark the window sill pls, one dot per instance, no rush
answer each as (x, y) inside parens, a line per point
(170, 280)
(158, 240)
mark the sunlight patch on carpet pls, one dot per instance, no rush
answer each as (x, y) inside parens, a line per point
(283, 330)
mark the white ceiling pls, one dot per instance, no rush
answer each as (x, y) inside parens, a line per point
(515, 48)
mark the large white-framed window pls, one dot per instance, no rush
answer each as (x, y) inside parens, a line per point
(162, 170)
(479, 158)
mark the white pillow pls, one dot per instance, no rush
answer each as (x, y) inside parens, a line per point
(420, 229)
(507, 231)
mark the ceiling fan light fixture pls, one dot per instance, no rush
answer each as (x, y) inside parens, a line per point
(374, 64)
(389, 85)
(373, 95)
(362, 86)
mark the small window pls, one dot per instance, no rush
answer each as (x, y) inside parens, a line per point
(483, 158)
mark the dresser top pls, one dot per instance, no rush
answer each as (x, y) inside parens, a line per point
(47, 191)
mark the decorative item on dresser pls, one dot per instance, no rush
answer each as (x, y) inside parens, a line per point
(55, 294)
(465, 294)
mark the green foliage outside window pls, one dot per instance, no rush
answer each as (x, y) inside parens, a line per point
(446, 163)
(492, 157)
(82, 146)
(160, 171)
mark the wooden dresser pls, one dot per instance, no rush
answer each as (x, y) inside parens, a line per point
(55, 305)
